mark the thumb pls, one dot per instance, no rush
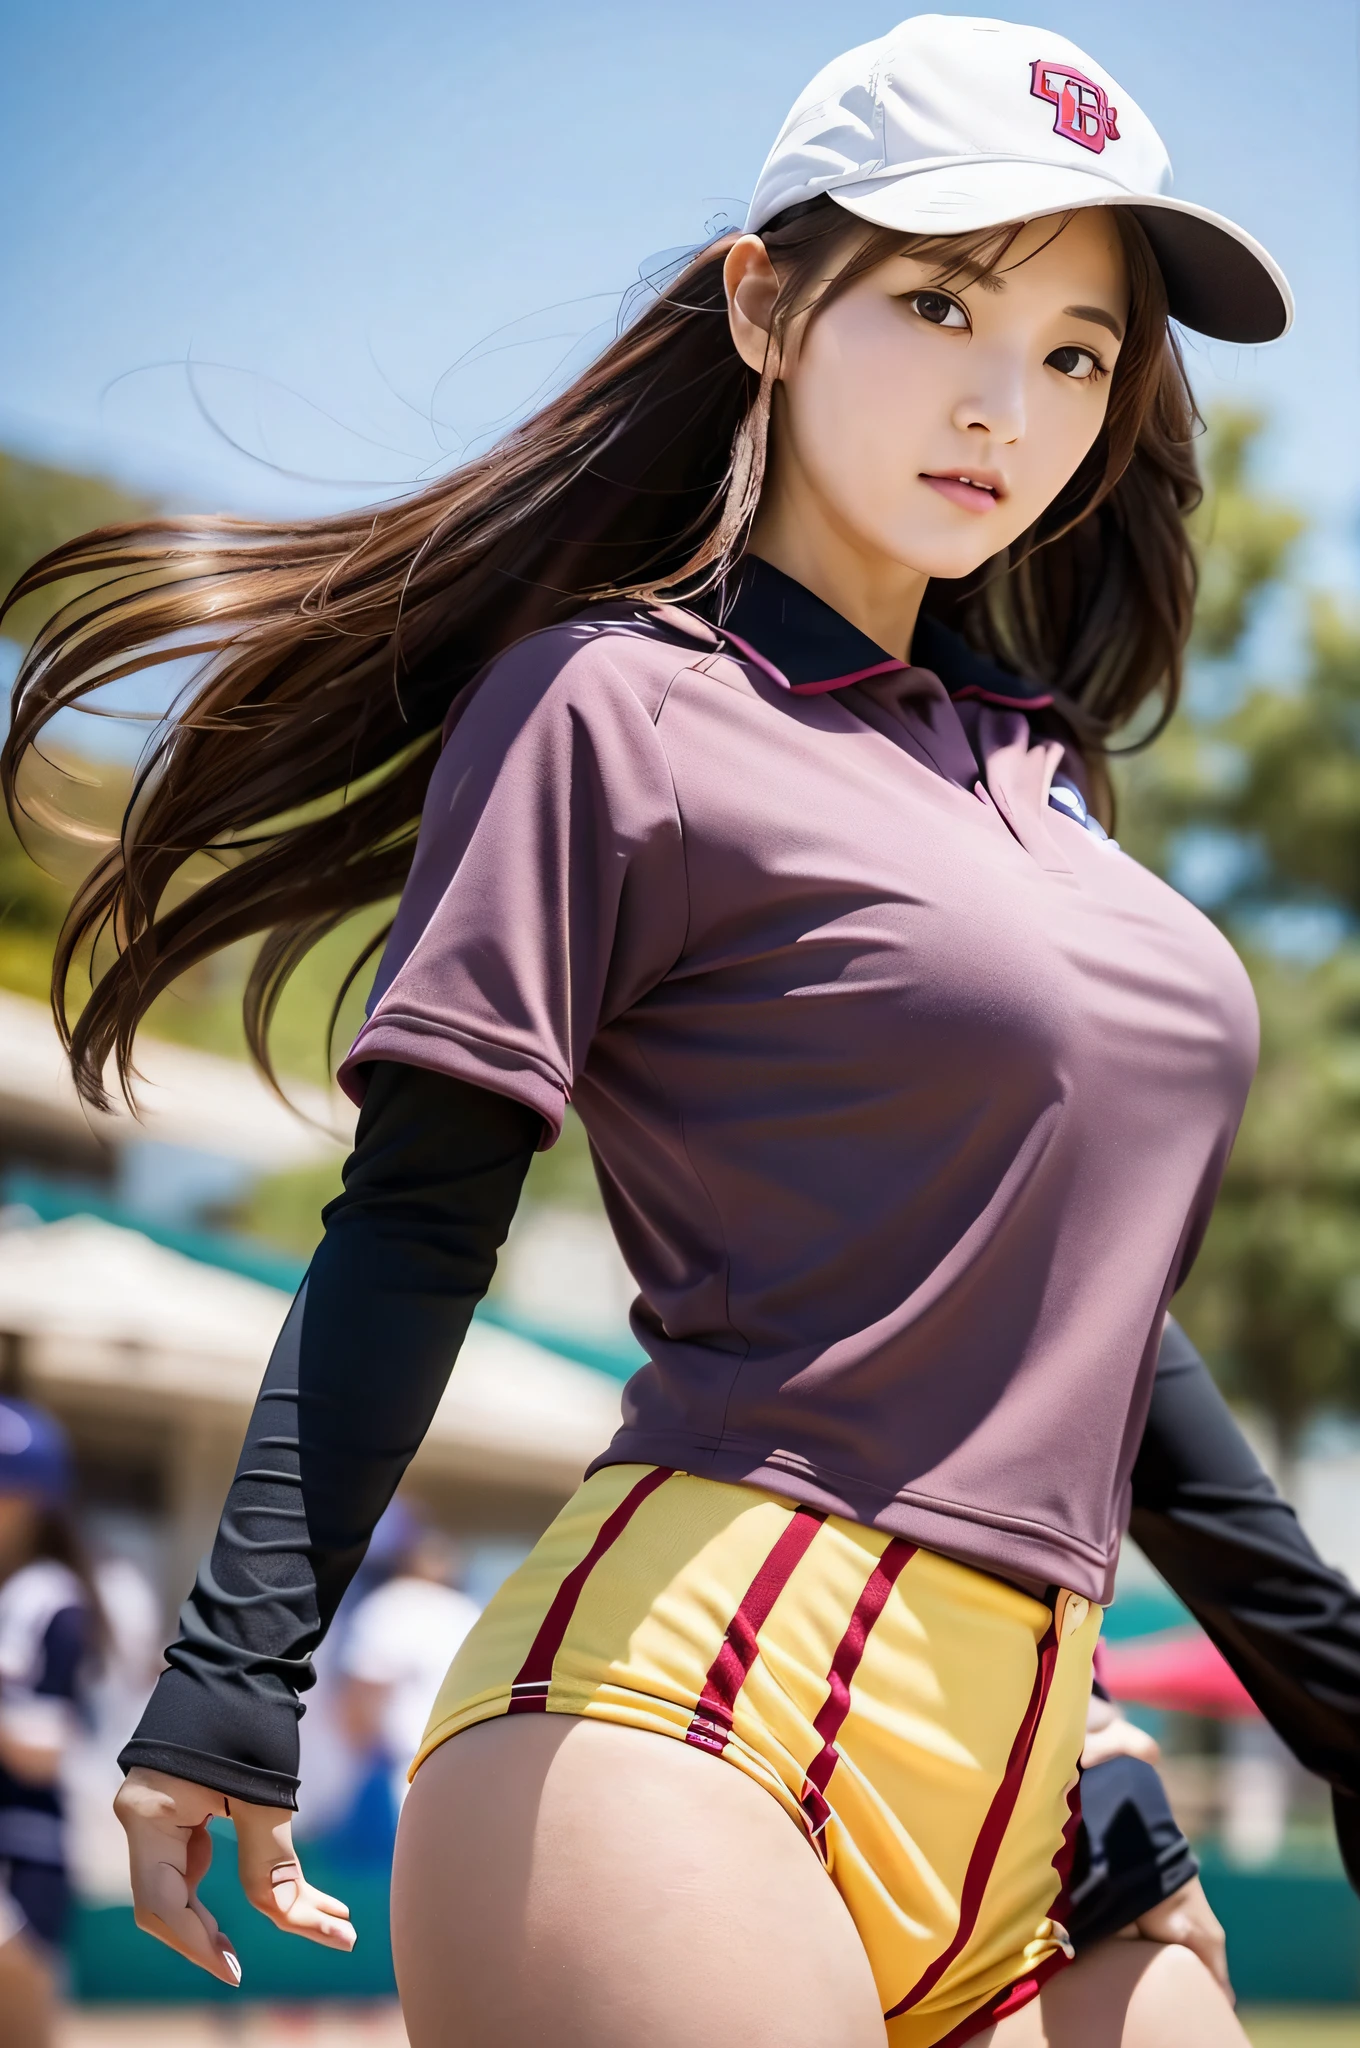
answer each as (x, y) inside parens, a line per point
(272, 1879)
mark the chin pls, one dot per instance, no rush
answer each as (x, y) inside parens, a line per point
(934, 556)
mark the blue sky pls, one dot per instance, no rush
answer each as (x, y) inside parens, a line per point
(326, 205)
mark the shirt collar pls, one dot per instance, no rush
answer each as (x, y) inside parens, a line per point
(807, 647)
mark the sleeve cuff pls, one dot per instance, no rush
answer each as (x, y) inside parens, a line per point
(219, 1773)
(411, 1042)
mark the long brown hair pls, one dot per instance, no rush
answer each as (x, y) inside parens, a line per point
(331, 649)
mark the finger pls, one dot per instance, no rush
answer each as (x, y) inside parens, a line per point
(273, 1880)
(169, 1850)
(1208, 1942)
(1118, 1738)
(302, 1909)
(1188, 1922)
(198, 1856)
(165, 1905)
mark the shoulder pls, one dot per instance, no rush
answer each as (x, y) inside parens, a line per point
(604, 661)
(567, 719)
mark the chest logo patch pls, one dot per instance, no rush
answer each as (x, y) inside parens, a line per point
(1084, 114)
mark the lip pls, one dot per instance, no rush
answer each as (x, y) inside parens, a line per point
(982, 491)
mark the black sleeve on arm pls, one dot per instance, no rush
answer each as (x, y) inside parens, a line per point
(351, 1388)
(1210, 1520)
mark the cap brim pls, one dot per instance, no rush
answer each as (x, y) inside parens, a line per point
(1219, 280)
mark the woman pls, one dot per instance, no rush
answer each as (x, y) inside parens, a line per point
(798, 626)
(48, 1623)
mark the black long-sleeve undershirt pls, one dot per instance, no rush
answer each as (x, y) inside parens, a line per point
(351, 1389)
(1210, 1520)
(358, 1370)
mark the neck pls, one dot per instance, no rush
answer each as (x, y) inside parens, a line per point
(796, 531)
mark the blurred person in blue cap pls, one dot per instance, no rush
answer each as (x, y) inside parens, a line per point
(49, 1626)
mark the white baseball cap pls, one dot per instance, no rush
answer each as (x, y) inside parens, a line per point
(950, 123)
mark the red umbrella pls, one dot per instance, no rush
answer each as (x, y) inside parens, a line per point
(1179, 1669)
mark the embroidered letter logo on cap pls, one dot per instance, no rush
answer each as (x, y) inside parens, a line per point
(1084, 114)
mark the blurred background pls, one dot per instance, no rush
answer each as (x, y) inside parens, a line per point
(290, 257)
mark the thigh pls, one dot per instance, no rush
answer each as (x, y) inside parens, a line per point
(1125, 1994)
(573, 1881)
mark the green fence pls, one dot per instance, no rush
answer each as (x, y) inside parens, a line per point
(112, 1960)
(1293, 1938)
(1293, 1934)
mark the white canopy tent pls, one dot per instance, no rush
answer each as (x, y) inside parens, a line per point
(184, 1097)
(114, 1331)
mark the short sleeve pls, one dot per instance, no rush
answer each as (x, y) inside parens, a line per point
(547, 893)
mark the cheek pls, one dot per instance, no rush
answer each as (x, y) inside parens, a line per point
(1062, 425)
(858, 413)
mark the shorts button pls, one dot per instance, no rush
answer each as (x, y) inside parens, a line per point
(1074, 1614)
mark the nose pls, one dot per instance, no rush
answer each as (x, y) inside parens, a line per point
(994, 403)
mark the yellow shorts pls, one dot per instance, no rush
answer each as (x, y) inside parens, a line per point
(921, 1721)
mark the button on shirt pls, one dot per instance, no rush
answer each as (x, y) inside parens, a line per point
(909, 1094)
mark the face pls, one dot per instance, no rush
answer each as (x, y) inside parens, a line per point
(924, 424)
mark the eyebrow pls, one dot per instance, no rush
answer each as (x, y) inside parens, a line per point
(1096, 314)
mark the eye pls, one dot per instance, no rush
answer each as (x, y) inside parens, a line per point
(1080, 364)
(938, 308)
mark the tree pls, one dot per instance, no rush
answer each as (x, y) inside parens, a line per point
(39, 508)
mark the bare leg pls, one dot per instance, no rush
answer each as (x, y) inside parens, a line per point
(1125, 1994)
(27, 1994)
(572, 1881)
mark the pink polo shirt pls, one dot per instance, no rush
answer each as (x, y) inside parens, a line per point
(909, 1094)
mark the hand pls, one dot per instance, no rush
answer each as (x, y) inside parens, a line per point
(1187, 1920)
(1117, 1737)
(169, 1848)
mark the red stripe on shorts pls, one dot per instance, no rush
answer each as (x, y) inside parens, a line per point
(1062, 1862)
(993, 1831)
(1009, 1999)
(712, 1722)
(529, 1693)
(844, 1665)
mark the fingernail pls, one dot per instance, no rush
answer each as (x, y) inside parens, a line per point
(285, 1894)
(232, 1964)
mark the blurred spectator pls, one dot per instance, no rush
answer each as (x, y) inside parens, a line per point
(112, 1701)
(332, 1769)
(50, 1624)
(399, 1643)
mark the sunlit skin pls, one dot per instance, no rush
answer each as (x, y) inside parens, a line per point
(904, 383)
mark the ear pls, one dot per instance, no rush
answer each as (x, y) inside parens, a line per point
(752, 288)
